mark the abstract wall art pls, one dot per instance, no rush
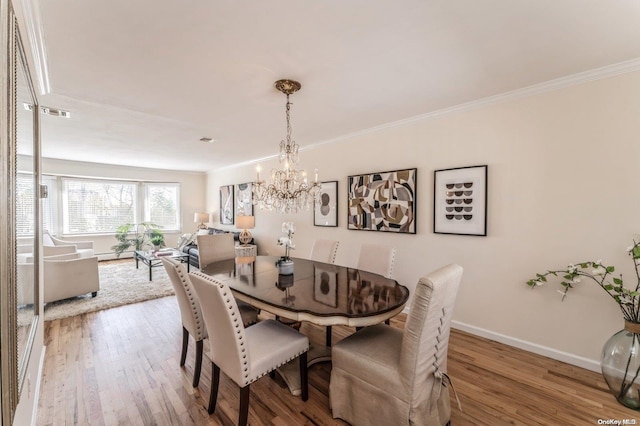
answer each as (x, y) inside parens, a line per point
(460, 201)
(244, 199)
(383, 201)
(325, 212)
(226, 205)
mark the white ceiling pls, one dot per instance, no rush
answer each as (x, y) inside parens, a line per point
(144, 80)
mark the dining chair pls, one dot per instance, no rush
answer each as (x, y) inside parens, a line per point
(191, 313)
(324, 251)
(215, 247)
(385, 375)
(245, 354)
(377, 258)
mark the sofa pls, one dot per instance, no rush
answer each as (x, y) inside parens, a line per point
(192, 248)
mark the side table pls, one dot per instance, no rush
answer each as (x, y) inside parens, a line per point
(250, 250)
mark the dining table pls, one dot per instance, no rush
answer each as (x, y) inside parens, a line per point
(320, 293)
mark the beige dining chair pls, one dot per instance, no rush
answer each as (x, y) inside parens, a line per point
(324, 251)
(384, 375)
(245, 354)
(376, 258)
(191, 313)
(215, 247)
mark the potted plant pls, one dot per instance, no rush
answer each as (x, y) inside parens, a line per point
(135, 236)
(156, 237)
(620, 360)
(285, 264)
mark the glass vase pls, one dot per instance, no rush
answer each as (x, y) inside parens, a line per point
(620, 364)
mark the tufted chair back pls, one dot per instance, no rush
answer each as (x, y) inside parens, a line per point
(229, 349)
(324, 251)
(188, 301)
(215, 247)
(377, 259)
(425, 340)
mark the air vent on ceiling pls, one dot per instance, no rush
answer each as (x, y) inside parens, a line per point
(208, 140)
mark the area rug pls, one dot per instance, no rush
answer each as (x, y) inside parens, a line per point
(120, 284)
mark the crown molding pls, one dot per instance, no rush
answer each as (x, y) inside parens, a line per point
(536, 89)
(33, 24)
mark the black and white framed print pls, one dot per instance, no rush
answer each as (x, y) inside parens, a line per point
(226, 205)
(460, 201)
(325, 212)
(244, 199)
(384, 201)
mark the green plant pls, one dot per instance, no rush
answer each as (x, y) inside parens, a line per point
(627, 299)
(156, 238)
(135, 236)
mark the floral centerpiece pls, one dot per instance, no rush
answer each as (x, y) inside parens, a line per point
(285, 264)
(620, 359)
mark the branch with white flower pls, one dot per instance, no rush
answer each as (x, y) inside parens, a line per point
(627, 299)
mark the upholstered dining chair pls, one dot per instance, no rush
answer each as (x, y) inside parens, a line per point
(377, 258)
(245, 354)
(384, 375)
(215, 247)
(324, 251)
(191, 313)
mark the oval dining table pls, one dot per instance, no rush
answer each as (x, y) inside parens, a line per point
(319, 293)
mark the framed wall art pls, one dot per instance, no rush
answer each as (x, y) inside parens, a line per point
(383, 201)
(460, 201)
(244, 199)
(325, 213)
(226, 205)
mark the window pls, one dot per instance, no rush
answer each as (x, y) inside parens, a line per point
(161, 202)
(25, 207)
(93, 206)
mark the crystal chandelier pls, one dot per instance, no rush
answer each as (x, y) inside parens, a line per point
(289, 189)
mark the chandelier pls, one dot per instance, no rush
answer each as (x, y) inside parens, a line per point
(289, 189)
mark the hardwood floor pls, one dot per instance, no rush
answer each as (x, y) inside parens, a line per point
(121, 366)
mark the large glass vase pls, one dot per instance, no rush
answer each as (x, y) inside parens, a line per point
(620, 364)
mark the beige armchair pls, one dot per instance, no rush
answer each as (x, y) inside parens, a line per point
(52, 246)
(387, 376)
(65, 276)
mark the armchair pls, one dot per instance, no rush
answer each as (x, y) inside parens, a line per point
(54, 246)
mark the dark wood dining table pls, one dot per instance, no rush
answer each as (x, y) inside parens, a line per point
(320, 293)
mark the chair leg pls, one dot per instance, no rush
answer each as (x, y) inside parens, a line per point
(215, 380)
(243, 415)
(328, 336)
(387, 321)
(185, 343)
(304, 382)
(198, 367)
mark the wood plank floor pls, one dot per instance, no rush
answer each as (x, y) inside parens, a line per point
(121, 366)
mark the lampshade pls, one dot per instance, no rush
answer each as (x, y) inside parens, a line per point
(245, 222)
(201, 218)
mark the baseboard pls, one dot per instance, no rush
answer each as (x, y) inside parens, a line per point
(112, 256)
(569, 358)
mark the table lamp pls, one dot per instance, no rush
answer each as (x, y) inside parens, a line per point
(244, 223)
(201, 218)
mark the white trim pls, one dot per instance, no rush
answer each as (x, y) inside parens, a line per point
(569, 358)
(626, 67)
(36, 395)
(36, 40)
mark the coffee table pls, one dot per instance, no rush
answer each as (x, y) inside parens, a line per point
(152, 259)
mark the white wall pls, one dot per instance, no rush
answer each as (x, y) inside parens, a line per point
(192, 192)
(561, 190)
